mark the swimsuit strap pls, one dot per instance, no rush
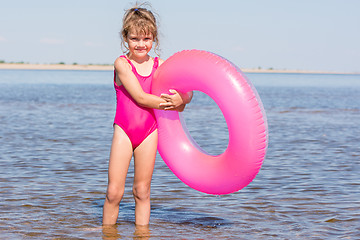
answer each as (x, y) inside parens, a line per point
(156, 62)
(155, 66)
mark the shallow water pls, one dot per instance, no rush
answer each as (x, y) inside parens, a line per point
(55, 136)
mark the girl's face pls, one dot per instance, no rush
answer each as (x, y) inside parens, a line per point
(139, 44)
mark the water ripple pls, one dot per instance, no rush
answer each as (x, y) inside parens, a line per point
(55, 141)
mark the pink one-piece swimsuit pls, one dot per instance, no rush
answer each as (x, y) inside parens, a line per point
(136, 121)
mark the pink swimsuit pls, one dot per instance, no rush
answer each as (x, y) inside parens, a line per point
(137, 122)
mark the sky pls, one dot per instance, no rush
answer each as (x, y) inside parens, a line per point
(316, 35)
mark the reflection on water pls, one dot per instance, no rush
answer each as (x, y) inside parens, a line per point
(55, 136)
(142, 232)
(110, 232)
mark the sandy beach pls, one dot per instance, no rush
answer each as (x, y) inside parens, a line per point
(28, 66)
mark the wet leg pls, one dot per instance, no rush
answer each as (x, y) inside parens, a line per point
(120, 157)
(144, 161)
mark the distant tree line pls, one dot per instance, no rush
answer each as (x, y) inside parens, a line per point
(62, 63)
(2, 61)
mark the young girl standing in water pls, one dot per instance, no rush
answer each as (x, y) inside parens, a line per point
(135, 130)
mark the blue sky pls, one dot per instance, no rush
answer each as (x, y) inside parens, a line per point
(280, 34)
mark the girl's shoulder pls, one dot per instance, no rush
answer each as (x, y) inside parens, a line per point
(121, 64)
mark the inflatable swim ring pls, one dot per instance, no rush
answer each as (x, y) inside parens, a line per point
(244, 114)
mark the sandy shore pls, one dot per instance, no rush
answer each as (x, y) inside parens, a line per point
(26, 66)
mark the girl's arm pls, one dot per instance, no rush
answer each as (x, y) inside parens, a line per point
(126, 77)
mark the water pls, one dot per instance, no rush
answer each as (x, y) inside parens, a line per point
(55, 136)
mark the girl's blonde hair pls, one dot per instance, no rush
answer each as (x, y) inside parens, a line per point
(140, 20)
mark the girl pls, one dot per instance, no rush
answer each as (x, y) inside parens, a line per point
(135, 125)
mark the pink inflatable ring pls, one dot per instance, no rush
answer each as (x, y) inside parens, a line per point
(243, 112)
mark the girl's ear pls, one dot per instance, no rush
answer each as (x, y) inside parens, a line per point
(126, 42)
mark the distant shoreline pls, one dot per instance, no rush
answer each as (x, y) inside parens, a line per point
(26, 66)
(29, 66)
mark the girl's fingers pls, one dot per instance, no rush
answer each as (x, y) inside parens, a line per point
(167, 104)
(165, 97)
(173, 91)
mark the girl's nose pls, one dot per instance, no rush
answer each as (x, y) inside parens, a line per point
(141, 43)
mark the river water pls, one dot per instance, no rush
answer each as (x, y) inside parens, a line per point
(55, 136)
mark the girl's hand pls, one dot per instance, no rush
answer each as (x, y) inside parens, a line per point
(176, 101)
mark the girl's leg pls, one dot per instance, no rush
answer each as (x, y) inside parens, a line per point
(120, 157)
(144, 161)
